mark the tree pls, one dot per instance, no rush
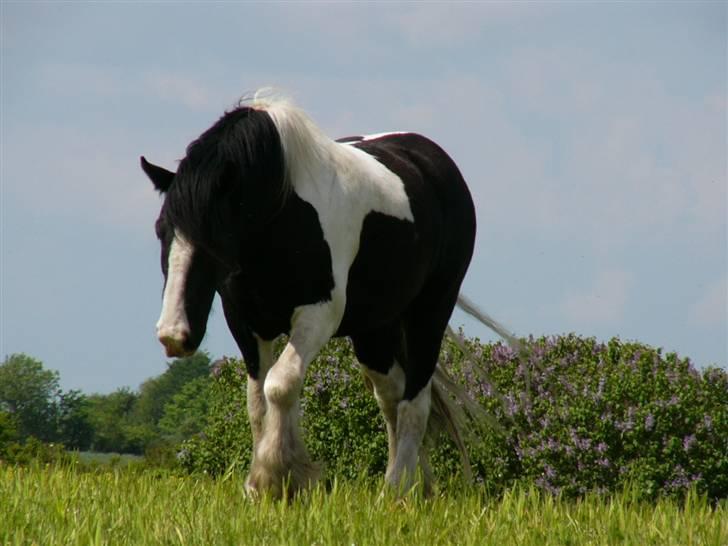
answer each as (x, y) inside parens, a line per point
(73, 426)
(28, 392)
(155, 393)
(186, 413)
(8, 432)
(112, 417)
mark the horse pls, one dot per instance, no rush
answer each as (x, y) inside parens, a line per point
(301, 235)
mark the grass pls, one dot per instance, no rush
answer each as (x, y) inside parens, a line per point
(91, 458)
(62, 505)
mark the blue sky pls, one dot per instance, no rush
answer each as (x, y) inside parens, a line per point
(593, 137)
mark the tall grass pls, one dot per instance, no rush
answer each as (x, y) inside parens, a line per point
(61, 505)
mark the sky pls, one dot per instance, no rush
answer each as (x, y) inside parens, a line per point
(592, 136)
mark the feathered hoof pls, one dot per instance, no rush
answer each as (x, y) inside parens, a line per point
(281, 482)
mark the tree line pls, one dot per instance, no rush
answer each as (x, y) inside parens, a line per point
(164, 410)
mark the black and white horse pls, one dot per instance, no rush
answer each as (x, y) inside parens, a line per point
(367, 237)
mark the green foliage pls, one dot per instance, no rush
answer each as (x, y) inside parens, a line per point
(343, 425)
(582, 416)
(155, 393)
(33, 451)
(186, 414)
(575, 416)
(129, 422)
(226, 441)
(73, 427)
(27, 391)
(9, 435)
(115, 425)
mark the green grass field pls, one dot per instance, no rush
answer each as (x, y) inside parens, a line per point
(57, 505)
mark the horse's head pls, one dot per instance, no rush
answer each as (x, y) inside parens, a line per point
(189, 278)
(227, 189)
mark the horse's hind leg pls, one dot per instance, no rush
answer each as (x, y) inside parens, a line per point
(377, 352)
(388, 390)
(412, 415)
(424, 326)
(386, 363)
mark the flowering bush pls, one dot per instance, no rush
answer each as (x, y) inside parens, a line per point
(575, 416)
(580, 416)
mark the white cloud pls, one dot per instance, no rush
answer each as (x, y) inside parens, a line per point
(711, 309)
(601, 303)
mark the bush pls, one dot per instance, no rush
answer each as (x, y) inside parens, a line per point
(32, 450)
(575, 416)
(582, 416)
(226, 441)
(341, 420)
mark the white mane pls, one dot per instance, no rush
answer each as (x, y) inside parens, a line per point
(305, 146)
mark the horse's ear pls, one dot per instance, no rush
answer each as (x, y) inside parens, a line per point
(160, 177)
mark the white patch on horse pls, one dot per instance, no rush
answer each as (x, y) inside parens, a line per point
(341, 182)
(173, 328)
(375, 136)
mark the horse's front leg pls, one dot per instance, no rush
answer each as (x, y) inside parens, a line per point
(281, 456)
(255, 397)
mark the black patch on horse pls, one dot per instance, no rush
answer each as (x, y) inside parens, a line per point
(232, 175)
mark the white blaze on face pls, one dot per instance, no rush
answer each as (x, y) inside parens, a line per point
(173, 329)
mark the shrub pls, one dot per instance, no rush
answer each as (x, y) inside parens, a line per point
(581, 416)
(32, 450)
(575, 416)
(226, 441)
(341, 420)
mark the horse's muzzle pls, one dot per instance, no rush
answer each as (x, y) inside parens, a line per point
(176, 344)
(173, 348)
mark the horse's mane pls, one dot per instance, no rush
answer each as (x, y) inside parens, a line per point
(265, 139)
(304, 144)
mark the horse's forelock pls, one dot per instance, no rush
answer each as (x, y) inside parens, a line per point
(241, 149)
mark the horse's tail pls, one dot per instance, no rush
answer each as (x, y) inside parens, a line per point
(481, 316)
(454, 410)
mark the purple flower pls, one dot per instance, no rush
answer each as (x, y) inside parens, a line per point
(649, 422)
(545, 484)
(582, 444)
(216, 368)
(511, 405)
(688, 442)
(627, 425)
